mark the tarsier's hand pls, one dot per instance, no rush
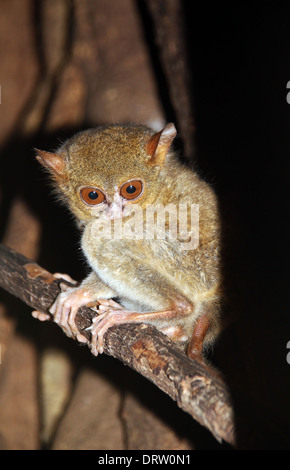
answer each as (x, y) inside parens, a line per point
(65, 307)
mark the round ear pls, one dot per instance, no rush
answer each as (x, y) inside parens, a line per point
(158, 145)
(53, 162)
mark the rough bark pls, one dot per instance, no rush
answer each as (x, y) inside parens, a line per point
(198, 390)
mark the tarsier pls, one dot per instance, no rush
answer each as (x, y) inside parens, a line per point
(100, 173)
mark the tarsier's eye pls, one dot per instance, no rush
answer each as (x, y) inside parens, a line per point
(92, 196)
(132, 189)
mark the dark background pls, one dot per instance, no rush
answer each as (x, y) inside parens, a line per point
(238, 61)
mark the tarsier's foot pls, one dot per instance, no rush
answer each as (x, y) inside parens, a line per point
(65, 308)
(113, 314)
(42, 316)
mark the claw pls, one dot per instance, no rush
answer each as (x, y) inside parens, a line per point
(65, 277)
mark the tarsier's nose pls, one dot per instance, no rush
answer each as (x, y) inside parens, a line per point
(116, 207)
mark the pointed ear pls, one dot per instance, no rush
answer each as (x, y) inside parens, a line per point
(158, 145)
(53, 162)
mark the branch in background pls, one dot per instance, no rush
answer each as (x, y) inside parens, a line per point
(168, 18)
(197, 390)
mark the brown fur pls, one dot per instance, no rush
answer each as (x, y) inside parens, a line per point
(147, 275)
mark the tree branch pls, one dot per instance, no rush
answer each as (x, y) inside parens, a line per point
(197, 390)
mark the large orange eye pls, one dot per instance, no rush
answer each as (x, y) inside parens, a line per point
(132, 189)
(92, 196)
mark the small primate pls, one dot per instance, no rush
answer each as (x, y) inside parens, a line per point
(101, 174)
